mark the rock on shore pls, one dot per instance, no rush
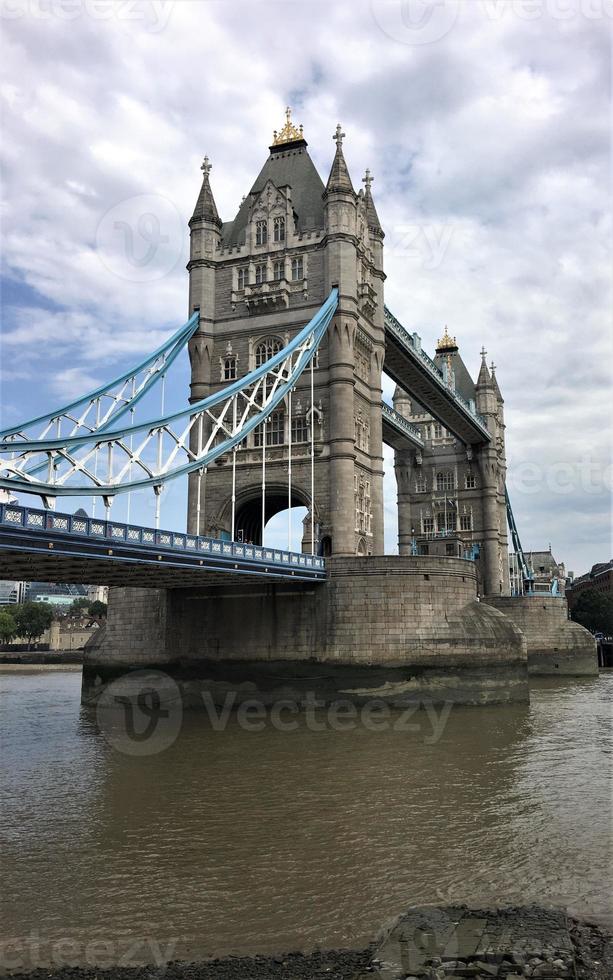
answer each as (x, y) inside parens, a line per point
(430, 943)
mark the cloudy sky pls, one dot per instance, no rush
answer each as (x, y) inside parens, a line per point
(486, 124)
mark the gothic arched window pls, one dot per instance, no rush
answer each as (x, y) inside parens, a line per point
(445, 480)
(275, 430)
(260, 274)
(300, 429)
(266, 349)
(229, 368)
(297, 269)
(261, 232)
(279, 229)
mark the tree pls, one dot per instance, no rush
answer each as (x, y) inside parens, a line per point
(594, 611)
(8, 626)
(97, 609)
(32, 619)
(78, 606)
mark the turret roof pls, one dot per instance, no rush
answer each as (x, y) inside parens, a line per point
(339, 179)
(290, 165)
(206, 209)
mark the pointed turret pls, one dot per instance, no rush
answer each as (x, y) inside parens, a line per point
(495, 383)
(484, 380)
(372, 217)
(206, 209)
(339, 179)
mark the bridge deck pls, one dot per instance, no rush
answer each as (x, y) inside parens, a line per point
(38, 545)
(398, 432)
(416, 373)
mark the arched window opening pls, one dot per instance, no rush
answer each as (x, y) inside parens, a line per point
(297, 269)
(266, 349)
(261, 232)
(279, 229)
(446, 521)
(445, 480)
(300, 429)
(229, 368)
(275, 430)
(260, 274)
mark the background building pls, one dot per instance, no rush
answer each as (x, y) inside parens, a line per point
(599, 579)
(12, 593)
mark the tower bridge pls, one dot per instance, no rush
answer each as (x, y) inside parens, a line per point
(288, 337)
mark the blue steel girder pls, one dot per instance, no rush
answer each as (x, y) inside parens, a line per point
(398, 432)
(417, 374)
(97, 410)
(151, 453)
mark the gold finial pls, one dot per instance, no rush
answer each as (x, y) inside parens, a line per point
(289, 133)
(446, 342)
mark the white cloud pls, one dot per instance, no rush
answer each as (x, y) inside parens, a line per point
(490, 142)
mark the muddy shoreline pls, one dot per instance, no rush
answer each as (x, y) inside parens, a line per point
(535, 942)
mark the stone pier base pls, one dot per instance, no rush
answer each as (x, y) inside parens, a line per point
(555, 644)
(398, 629)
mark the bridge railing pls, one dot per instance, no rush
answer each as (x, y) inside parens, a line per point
(396, 327)
(114, 532)
(401, 423)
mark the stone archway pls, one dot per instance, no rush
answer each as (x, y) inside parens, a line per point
(248, 517)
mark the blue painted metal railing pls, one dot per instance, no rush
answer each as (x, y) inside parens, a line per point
(47, 522)
(408, 340)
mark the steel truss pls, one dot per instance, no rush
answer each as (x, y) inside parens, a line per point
(150, 453)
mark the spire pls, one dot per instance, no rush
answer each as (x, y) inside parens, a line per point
(484, 375)
(495, 383)
(447, 344)
(339, 179)
(206, 209)
(371, 212)
(289, 133)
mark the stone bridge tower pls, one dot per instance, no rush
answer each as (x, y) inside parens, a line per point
(257, 280)
(451, 499)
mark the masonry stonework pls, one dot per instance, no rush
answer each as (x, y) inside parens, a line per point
(555, 644)
(256, 281)
(398, 629)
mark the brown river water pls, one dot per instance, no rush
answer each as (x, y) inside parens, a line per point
(240, 841)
